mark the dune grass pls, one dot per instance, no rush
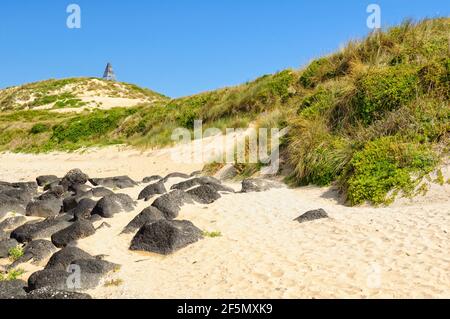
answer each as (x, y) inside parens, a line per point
(372, 118)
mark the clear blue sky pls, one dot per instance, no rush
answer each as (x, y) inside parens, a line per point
(181, 47)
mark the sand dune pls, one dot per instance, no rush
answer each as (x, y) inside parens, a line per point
(361, 252)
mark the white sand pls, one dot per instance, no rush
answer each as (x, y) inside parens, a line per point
(361, 252)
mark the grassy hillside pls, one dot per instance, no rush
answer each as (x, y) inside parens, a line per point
(374, 118)
(70, 93)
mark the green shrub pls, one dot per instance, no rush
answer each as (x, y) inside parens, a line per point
(39, 128)
(384, 89)
(319, 70)
(384, 165)
(15, 253)
(12, 274)
(89, 126)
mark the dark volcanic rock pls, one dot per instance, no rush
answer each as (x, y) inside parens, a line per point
(46, 179)
(9, 204)
(195, 174)
(48, 293)
(78, 230)
(148, 215)
(74, 178)
(165, 237)
(71, 202)
(101, 192)
(13, 222)
(55, 192)
(40, 230)
(258, 185)
(110, 205)
(204, 194)
(81, 189)
(6, 245)
(44, 208)
(52, 185)
(30, 186)
(63, 258)
(36, 252)
(63, 280)
(12, 289)
(55, 279)
(95, 266)
(22, 195)
(83, 209)
(151, 190)
(175, 175)
(120, 182)
(170, 204)
(153, 178)
(204, 180)
(312, 215)
(4, 235)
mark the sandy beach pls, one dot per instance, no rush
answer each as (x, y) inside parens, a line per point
(401, 251)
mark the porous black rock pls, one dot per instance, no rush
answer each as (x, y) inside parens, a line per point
(73, 179)
(71, 202)
(148, 215)
(110, 205)
(83, 209)
(151, 179)
(63, 258)
(120, 182)
(44, 208)
(204, 194)
(47, 293)
(170, 204)
(78, 230)
(36, 251)
(258, 185)
(175, 175)
(46, 179)
(6, 246)
(165, 237)
(12, 222)
(312, 215)
(40, 229)
(101, 192)
(12, 289)
(151, 190)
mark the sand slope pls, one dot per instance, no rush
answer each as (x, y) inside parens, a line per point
(361, 252)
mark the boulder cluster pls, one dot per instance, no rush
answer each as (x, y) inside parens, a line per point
(53, 213)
